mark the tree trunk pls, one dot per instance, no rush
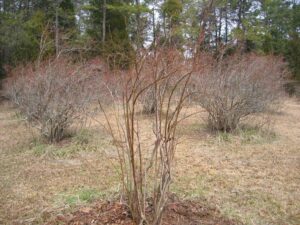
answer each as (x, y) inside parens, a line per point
(56, 31)
(215, 24)
(226, 22)
(138, 30)
(153, 27)
(220, 25)
(103, 22)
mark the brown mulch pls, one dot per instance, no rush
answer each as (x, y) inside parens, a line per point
(115, 213)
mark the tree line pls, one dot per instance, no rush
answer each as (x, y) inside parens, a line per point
(119, 29)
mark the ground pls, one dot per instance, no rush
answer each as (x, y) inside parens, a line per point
(252, 176)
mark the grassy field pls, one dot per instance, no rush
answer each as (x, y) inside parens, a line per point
(252, 175)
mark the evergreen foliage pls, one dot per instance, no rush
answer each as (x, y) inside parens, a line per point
(117, 30)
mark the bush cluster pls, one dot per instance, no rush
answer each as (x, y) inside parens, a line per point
(51, 96)
(232, 88)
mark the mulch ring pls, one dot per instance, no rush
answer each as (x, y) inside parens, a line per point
(177, 212)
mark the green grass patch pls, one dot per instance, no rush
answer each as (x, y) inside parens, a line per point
(255, 135)
(83, 137)
(224, 136)
(81, 196)
(39, 147)
(18, 116)
(188, 187)
(82, 141)
(246, 135)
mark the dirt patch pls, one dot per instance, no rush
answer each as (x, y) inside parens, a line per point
(177, 212)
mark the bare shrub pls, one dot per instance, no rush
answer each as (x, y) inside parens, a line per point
(172, 61)
(145, 168)
(52, 96)
(237, 86)
(149, 101)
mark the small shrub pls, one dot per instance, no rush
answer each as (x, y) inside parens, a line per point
(145, 172)
(235, 87)
(51, 96)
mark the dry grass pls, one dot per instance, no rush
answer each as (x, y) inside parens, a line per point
(257, 182)
(252, 175)
(37, 179)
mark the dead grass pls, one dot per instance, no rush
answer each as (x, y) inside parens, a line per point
(257, 182)
(251, 175)
(33, 175)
